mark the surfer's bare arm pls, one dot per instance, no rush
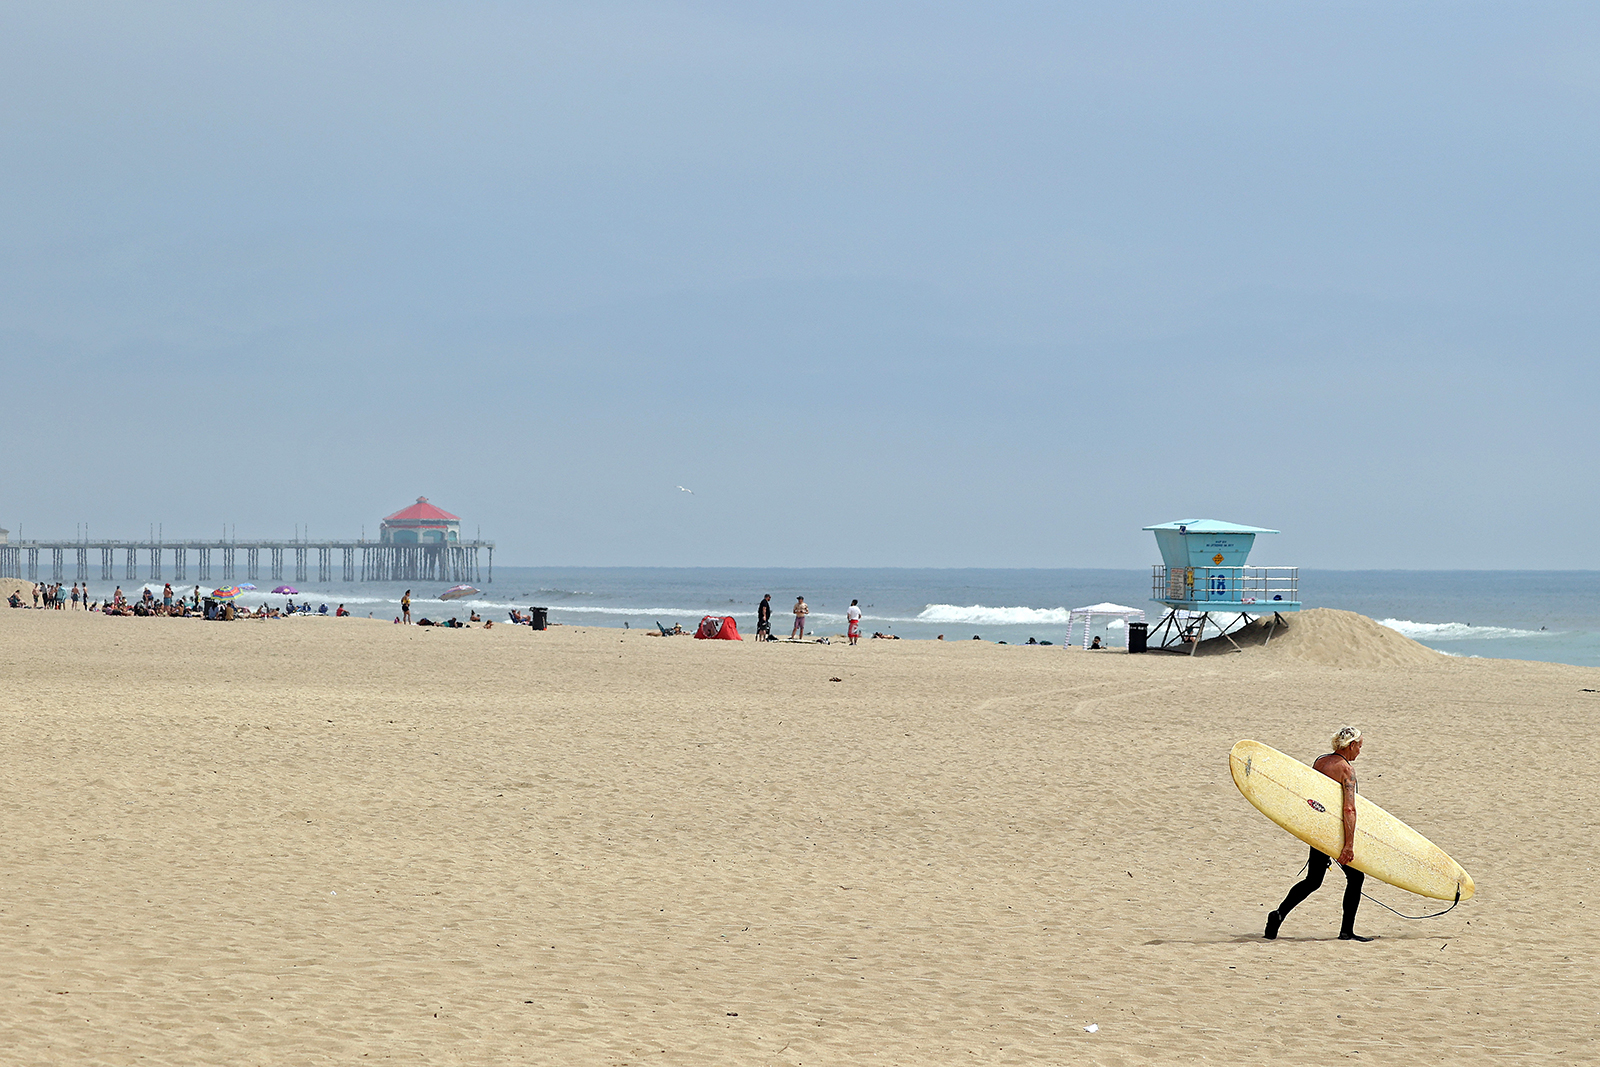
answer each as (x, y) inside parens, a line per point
(1349, 786)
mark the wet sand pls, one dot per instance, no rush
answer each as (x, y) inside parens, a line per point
(334, 841)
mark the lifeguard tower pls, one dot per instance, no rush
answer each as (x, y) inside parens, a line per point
(1203, 580)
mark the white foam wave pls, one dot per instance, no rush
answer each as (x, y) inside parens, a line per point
(581, 609)
(1455, 631)
(979, 615)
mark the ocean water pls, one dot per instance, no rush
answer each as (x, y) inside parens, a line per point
(1536, 615)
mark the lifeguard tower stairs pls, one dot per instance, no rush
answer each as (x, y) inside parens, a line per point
(1204, 583)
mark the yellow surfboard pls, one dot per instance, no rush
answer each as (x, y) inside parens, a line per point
(1308, 804)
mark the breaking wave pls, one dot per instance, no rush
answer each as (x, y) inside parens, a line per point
(979, 615)
(1455, 631)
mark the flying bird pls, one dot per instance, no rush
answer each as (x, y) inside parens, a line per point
(689, 491)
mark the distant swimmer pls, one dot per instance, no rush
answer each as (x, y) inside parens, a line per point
(1336, 765)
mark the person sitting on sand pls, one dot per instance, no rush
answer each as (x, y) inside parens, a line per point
(341, 613)
(1095, 645)
(472, 616)
(1336, 765)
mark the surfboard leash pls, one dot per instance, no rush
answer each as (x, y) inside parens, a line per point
(1403, 915)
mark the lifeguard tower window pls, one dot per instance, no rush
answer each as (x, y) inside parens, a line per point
(1204, 582)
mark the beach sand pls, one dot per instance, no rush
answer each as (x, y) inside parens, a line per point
(336, 841)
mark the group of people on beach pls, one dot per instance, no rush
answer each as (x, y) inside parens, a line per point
(53, 596)
(169, 604)
(801, 610)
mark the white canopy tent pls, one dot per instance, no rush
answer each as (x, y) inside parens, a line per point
(1120, 617)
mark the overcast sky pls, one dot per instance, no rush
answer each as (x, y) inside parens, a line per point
(885, 284)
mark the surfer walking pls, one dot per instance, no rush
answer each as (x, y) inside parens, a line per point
(1336, 765)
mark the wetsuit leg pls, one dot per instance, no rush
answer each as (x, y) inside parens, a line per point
(1352, 901)
(1316, 867)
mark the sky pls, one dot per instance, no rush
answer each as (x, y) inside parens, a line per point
(948, 285)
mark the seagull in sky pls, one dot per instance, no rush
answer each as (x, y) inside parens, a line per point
(689, 491)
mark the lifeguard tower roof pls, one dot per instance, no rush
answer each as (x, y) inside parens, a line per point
(1205, 542)
(1209, 526)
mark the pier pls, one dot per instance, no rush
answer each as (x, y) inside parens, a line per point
(231, 561)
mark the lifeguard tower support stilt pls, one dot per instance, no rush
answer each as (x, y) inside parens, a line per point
(1203, 581)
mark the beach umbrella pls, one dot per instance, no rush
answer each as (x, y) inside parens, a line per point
(456, 592)
(246, 585)
(291, 590)
(225, 594)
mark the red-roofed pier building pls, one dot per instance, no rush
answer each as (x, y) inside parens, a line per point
(420, 524)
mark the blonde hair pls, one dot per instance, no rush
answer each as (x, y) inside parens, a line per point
(1345, 738)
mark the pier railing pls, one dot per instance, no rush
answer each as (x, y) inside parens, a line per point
(349, 561)
(1233, 585)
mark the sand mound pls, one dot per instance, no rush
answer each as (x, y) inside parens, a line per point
(15, 585)
(1330, 638)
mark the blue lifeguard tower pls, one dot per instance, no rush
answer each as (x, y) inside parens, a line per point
(1203, 581)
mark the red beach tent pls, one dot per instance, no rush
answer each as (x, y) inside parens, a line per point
(718, 628)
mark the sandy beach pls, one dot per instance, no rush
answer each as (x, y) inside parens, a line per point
(336, 841)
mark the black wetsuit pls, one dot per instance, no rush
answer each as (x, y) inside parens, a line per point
(1316, 867)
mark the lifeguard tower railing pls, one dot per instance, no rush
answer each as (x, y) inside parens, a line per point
(1254, 590)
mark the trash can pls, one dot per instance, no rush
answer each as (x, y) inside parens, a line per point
(540, 616)
(1138, 636)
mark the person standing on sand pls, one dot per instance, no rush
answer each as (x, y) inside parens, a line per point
(405, 608)
(854, 627)
(764, 619)
(800, 613)
(1336, 765)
